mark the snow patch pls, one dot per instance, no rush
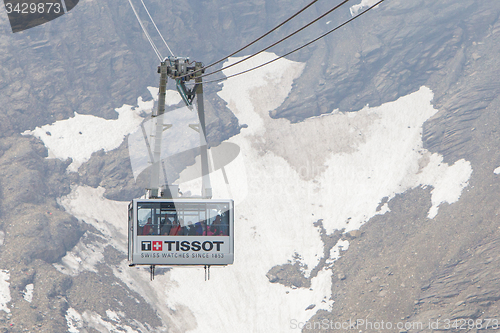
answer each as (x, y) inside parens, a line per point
(356, 9)
(378, 152)
(172, 98)
(259, 91)
(83, 257)
(74, 320)
(112, 315)
(91, 319)
(94, 320)
(4, 290)
(497, 171)
(28, 292)
(267, 307)
(89, 133)
(448, 181)
(342, 245)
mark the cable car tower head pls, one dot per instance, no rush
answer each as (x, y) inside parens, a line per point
(165, 229)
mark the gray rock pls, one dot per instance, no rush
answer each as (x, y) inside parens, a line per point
(310, 307)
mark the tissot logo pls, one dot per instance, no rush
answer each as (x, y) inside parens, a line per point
(194, 246)
(146, 245)
(157, 246)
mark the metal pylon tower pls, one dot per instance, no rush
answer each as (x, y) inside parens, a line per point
(182, 71)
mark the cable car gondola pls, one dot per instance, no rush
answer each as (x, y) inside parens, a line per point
(181, 232)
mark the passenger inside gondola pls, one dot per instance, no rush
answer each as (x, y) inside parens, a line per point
(166, 225)
(176, 228)
(223, 226)
(191, 228)
(184, 229)
(146, 229)
(214, 229)
(201, 228)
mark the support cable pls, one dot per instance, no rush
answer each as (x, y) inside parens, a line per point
(159, 33)
(256, 40)
(281, 40)
(207, 272)
(299, 48)
(152, 272)
(146, 33)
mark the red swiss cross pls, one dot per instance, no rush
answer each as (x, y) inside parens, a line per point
(157, 246)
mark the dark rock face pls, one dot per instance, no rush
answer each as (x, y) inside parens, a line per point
(30, 185)
(288, 275)
(37, 233)
(113, 171)
(389, 53)
(465, 289)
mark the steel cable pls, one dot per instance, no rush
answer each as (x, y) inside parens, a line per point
(281, 40)
(159, 33)
(299, 48)
(256, 40)
(158, 54)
